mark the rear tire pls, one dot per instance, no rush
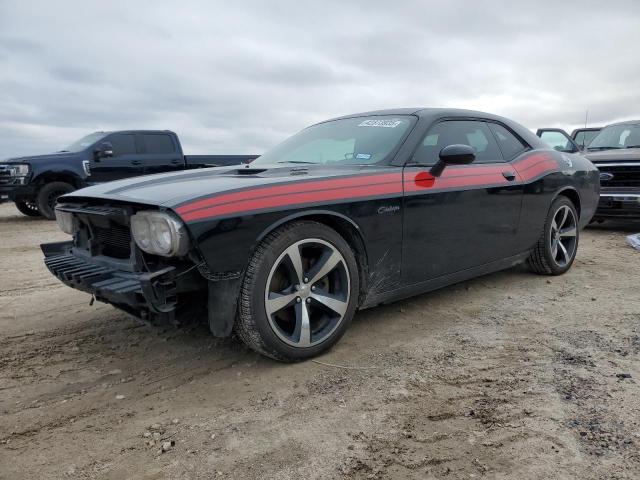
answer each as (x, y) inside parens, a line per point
(558, 243)
(28, 208)
(48, 195)
(299, 292)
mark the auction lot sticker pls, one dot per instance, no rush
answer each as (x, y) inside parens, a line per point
(380, 123)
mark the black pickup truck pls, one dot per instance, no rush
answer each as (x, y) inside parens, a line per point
(615, 151)
(34, 183)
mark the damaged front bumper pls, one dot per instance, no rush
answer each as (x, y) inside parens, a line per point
(145, 295)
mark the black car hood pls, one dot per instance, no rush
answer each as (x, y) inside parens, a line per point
(173, 189)
(32, 159)
(614, 155)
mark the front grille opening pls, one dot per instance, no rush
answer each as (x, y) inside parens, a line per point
(114, 241)
(621, 176)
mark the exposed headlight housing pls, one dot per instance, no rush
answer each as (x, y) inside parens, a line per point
(159, 233)
(19, 169)
(66, 221)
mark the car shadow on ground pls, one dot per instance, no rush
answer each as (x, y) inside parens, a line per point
(18, 218)
(628, 226)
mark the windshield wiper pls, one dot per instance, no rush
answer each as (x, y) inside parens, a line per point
(604, 148)
(632, 146)
(297, 161)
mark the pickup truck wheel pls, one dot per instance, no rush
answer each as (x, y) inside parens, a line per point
(299, 293)
(557, 246)
(47, 196)
(28, 208)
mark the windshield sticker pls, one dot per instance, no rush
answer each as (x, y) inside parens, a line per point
(363, 156)
(380, 123)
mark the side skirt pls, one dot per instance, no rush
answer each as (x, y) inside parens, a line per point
(442, 281)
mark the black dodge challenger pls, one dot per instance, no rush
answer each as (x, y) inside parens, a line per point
(349, 213)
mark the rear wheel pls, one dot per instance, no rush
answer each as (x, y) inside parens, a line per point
(557, 246)
(299, 293)
(28, 208)
(48, 195)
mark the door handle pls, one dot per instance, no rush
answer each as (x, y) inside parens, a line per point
(175, 161)
(136, 162)
(511, 176)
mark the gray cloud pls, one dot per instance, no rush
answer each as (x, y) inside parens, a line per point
(239, 77)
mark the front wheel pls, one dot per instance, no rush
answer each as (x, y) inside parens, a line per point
(557, 246)
(48, 195)
(299, 293)
(28, 208)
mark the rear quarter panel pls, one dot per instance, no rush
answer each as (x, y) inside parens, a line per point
(573, 173)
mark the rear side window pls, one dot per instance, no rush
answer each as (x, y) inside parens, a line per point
(158, 143)
(123, 143)
(510, 145)
(584, 137)
(466, 132)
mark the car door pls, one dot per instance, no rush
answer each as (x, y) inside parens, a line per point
(124, 163)
(469, 215)
(558, 139)
(160, 153)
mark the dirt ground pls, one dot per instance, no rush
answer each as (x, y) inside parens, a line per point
(511, 375)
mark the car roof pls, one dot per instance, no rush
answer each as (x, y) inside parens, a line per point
(425, 112)
(133, 131)
(436, 113)
(626, 122)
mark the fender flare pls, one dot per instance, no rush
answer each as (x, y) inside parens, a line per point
(78, 179)
(574, 191)
(306, 213)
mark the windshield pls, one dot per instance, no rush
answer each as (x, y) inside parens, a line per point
(617, 136)
(84, 142)
(350, 141)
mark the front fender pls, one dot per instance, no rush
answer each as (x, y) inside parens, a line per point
(76, 174)
(306, 214)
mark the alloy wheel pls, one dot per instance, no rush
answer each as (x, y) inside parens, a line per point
(307, 293)
(563, 236)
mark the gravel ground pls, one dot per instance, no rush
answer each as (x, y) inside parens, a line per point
(511, 375)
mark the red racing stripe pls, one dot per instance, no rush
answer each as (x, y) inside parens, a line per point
(297, 187)
(294, 199)
(363, 186)
(537, 169)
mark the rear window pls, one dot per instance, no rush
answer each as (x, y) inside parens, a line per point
(158, 143)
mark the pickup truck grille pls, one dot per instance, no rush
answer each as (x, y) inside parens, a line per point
(619, 175)
(114, 241)
(5, 175)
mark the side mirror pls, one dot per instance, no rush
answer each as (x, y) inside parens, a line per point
(453, 155)
(104, 150)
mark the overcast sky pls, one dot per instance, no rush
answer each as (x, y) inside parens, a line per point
(238, 77)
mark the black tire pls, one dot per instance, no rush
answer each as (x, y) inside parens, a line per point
(542, 259)
(260, 331)
(47, 196)
(28, 208)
